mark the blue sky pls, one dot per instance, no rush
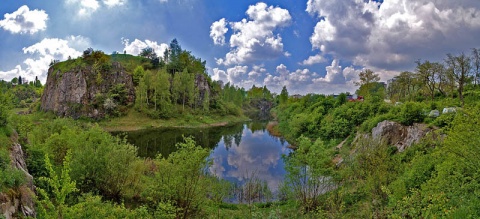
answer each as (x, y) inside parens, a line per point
(307, 45)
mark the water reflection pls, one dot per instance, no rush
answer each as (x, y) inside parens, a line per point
(239, 152)
(258, 154)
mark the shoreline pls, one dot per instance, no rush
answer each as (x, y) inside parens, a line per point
(136, 122)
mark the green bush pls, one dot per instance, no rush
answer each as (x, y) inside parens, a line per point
(11, 178)
(4, 159)
(444, 120)
(411, 112)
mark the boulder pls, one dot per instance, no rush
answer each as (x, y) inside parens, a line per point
(434, 113)
(449, 110)
(398, 135)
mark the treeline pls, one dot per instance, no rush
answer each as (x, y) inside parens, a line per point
(431, 80)
(21, 93)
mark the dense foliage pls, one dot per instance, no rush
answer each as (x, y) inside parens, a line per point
(337, 171)
(435, 178)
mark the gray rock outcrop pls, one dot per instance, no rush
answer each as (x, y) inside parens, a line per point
(82, 90)
(398, 135)
(20, 202)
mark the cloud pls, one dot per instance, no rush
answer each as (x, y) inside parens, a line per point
(42, 53)
(314, 60)
(240, 75)
(219, 75)
(236, 74)
(302, 81)
(137, 46)
(85, 8)
(253, 38)
(393, 34)
(24, 21)
(257, 71)
(218, 31)
(247, 160)
(113, 3)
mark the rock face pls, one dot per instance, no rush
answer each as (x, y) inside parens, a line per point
(82, 90)
(399, 135)
(201, 83)
(20, 202)
(262, 109)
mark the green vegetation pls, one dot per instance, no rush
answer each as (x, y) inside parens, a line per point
(435, 178)
(82, 171)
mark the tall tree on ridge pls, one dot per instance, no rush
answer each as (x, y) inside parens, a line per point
(459, 67)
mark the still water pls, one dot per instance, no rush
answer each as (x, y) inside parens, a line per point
(239, 152)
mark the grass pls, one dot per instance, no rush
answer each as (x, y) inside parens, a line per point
(67, 65)
(130, 62)
(135, 120)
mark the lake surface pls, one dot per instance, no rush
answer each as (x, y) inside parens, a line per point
(239, 152)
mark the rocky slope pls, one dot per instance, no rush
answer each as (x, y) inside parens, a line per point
(82, 91)
(19, 201)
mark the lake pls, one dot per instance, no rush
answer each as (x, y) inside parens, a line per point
(240, 152)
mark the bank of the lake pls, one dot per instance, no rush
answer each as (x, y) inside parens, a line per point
(135, 120)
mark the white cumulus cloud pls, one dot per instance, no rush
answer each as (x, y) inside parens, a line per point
(85, 8)
(253, 38)
(137, 46)
(25, 20)
(393, 34)
(41, 54)
(314, 60)
(218, 31)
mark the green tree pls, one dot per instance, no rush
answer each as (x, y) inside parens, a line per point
(5, 106)
(161, 86)
(138, 74)
(141, 100)
(180, 179)
(459, 68)
(284, 95)
(14, 81)
(206, 101)
(366, 83)
(309, 173)
(61, 186)
(476, 65)
(183, 87)
(427, 74)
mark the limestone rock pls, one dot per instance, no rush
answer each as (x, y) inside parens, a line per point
(398, 135)
(434, 113)
(449, 110)
(81, 90)
(22, 201)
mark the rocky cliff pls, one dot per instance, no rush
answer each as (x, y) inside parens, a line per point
(83, 90)
(261, 109)
(20, 201)
(201, 83)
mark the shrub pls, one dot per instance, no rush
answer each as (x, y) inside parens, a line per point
(411, 112)
(11, 178)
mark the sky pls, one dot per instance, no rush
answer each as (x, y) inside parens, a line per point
(309, 46)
